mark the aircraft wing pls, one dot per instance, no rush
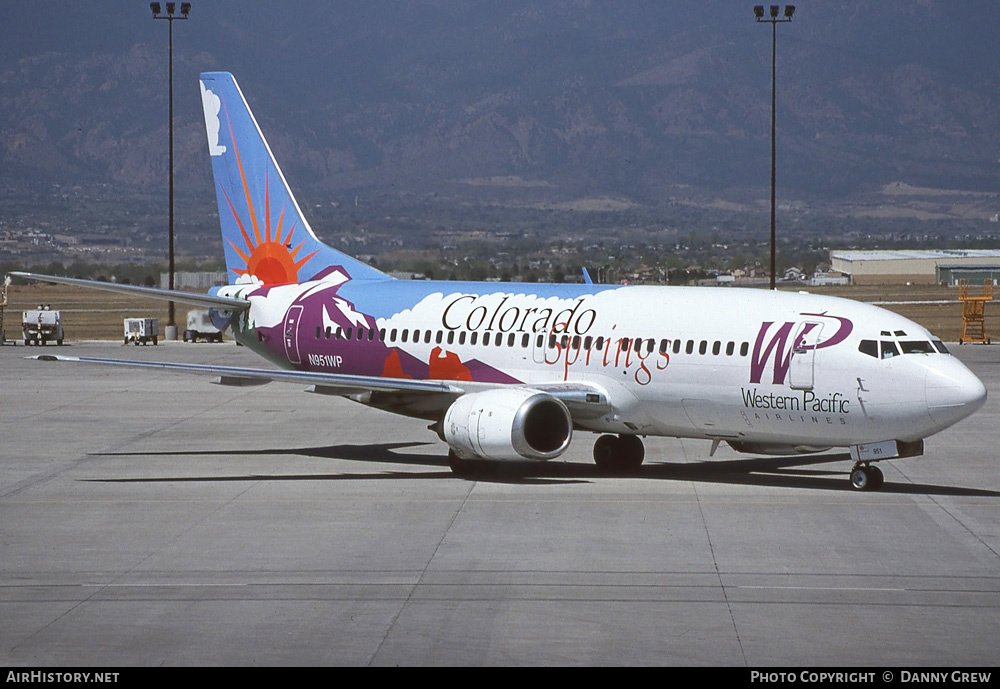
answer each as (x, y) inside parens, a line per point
(332, 383)
(584, 400)
(193, 298)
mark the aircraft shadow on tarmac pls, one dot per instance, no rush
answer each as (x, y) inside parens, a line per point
(800, 471)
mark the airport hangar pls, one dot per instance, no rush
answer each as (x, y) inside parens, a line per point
(917, 266)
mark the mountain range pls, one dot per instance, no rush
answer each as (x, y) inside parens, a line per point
(522, 102)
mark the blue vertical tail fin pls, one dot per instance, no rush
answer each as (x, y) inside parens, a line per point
(266, 237)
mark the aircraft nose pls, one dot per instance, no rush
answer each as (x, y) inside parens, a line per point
(953, 391)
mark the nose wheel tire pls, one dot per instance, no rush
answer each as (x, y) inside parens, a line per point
(866, 477)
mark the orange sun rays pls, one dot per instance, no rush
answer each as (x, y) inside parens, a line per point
(270, 258)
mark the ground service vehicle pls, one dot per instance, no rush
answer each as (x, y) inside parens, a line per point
(42, 325)
(200, 326)
(142, 330)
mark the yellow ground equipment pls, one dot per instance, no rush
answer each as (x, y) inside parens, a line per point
(3, 307)
(974, 312)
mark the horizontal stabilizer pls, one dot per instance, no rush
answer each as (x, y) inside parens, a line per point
(239, 382)
(206, 301)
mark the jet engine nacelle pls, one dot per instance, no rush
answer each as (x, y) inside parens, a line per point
(508, 424)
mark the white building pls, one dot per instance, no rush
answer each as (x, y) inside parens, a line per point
(903, 266)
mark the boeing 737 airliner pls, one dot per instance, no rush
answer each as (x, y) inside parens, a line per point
(509, 372)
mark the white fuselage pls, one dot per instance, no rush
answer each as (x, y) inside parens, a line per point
(721, 363)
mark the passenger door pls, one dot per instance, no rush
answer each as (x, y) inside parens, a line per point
(802, 366)
(292, 321)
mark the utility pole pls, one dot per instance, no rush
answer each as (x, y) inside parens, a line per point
(170, 332)
(774, 20)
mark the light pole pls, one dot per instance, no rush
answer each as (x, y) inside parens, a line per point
(774, 20)
(170, 332)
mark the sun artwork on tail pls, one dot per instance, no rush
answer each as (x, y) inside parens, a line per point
(271, 258)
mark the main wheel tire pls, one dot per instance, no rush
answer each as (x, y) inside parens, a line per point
(618, 455)
(632, 451)
(605, 452)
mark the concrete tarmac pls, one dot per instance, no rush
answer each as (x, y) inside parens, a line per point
(150, 518)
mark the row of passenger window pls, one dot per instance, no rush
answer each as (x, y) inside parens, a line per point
(884, 349)
(563, 342)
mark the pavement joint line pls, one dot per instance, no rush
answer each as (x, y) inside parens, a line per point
(409, 596)
(722, 584)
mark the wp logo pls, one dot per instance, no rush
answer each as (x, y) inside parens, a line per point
(776, 352)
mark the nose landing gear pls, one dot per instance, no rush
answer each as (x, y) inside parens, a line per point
(865, 476)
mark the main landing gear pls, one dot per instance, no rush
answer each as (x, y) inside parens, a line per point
(462, 467)
(622, 454)
(865, 476)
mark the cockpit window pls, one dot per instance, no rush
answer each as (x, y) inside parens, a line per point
(916, 347)
(886, 349)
